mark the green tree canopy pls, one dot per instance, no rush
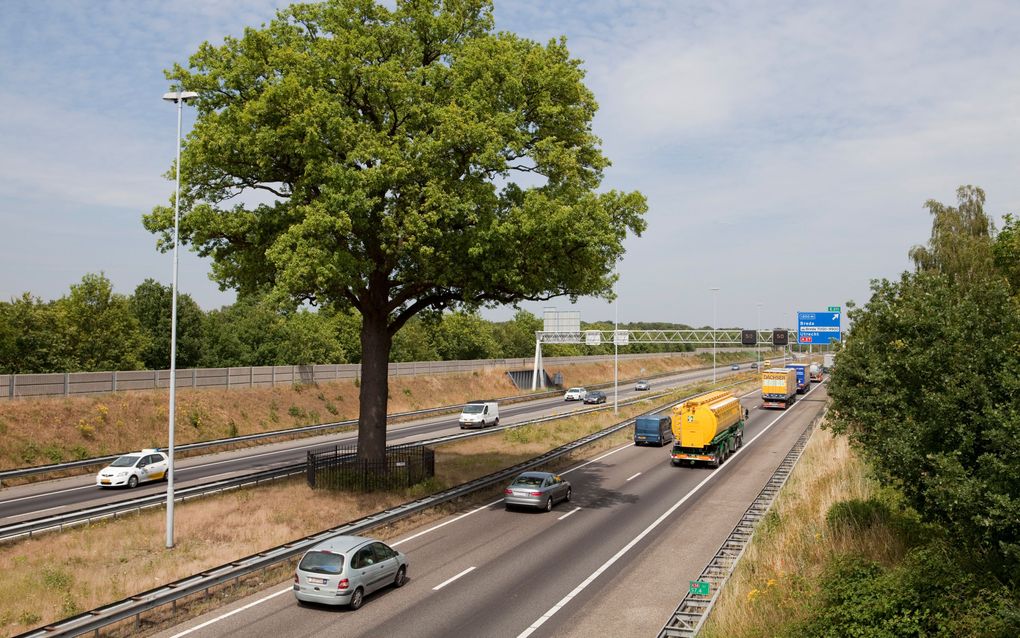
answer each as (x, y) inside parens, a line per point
(928, 387)
(961, 240)
(415, 159)
(151, 305)
(33, 337)
(102, 331)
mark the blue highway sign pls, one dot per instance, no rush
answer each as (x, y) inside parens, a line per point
(818, 327)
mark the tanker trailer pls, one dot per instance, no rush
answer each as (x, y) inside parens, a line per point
(707, 428)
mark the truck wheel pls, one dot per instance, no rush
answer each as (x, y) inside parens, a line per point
(496, 422)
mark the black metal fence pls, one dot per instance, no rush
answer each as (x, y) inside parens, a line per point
(338, 468)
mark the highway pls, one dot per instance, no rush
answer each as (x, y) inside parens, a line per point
(25, 502)
(613, 562)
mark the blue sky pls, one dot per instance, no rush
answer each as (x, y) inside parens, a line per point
(786, 148)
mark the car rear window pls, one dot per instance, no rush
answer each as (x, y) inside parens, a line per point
(528, 480)
(322, 563)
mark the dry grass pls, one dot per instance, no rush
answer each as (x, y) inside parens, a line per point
(774, 582)
(57, 575)
(54, 430)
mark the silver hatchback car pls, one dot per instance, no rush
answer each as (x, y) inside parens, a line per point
(536, 489)
(345, 569)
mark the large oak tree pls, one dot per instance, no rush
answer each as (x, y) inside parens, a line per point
(411, 159)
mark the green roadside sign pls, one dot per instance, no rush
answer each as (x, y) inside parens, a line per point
(833, 308)
(699, 588)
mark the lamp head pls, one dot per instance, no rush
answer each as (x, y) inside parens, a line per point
(183, 96)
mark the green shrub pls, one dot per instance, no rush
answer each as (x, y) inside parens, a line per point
(54, 453)
(331, 408)
(55, 578)
(933, 592)
(857, 515)
(231, 429)
(296, 412)
(29, 453)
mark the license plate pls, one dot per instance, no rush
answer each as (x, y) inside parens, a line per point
(104, 482)
(642, 438)
(317, 581)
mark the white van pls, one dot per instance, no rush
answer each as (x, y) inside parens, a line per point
(479, 414)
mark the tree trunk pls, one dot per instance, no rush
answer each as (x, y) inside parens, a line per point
(375, 357)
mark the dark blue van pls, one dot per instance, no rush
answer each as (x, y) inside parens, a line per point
(653, 430)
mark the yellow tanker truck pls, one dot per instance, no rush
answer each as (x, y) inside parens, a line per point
(707, 428)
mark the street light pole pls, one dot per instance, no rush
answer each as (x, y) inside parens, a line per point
(616, 356)
(179, 98)
(756, 346)
(714, 320)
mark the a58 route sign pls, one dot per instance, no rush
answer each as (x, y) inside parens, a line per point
(819, 327)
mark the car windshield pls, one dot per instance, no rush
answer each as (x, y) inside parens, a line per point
(576, 390)
(474, 408)
(125, 461)
(528, 480)
(322, 563)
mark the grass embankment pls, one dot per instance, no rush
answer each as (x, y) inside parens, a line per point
(838, 555)
(57, 575)
(775, 580)
(55, 430)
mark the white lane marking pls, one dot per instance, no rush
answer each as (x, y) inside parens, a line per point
(211, 463)
(25, 498)
(435, 527)
(445, 523)
(637, 539)
(231, 613)
(450, 580)
(576, 509)
(623, 447)
(634, 477)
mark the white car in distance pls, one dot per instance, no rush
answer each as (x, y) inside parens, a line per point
(131, 469)
(575, 394)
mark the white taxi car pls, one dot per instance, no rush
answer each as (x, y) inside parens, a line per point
(131, 469)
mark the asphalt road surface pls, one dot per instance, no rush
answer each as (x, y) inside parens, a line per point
(48, 498)
(613, 562)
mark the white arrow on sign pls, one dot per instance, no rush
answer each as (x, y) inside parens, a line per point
(835, 317)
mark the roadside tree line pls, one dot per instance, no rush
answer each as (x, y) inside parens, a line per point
(928, 390)
(92, 328)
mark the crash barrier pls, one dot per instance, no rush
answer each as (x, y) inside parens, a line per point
(90, 622)
(697, 604)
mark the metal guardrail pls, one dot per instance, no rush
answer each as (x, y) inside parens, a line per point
(517, 398)
(694, 609)
(57, 522)
(133, 606)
